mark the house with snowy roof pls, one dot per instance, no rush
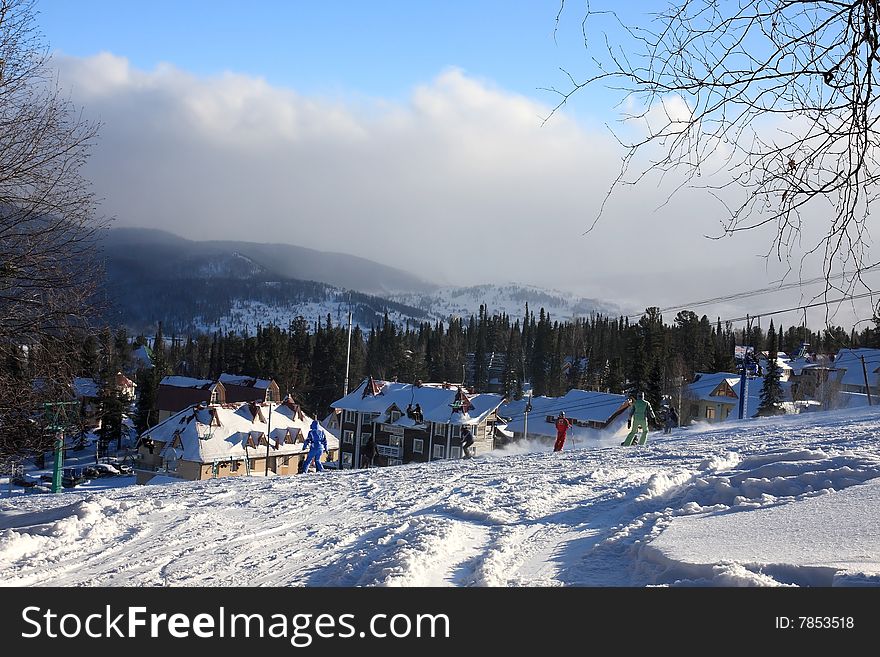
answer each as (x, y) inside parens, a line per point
(782, 363)
(124, 386)
(413, 422)
(141, 358)
(585, 408)
(248, 388)
(210, 440)
(176, 393)
(715, 397)
(858, 371)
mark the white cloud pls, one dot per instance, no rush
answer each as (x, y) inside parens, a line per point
(461, 183)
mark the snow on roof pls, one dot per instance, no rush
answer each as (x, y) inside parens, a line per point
(186, 382)
(207, 433)
(503, 430)
(582, 405)
(85, 387)
(245, 381)
(781, 362)
(143, 355)
(850, 360)
(435, 400)
(705, 384)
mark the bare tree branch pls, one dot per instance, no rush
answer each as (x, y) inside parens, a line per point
(49, 277)
(779, 95)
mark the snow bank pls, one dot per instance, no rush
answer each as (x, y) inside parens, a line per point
(774, 502)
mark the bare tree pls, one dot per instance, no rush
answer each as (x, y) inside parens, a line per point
(48, 272)
(779, 95)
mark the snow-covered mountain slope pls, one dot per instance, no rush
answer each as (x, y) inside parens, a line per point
(244, 315)
(782, 501)
(510, 299)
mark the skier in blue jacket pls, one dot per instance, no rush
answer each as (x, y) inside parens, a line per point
(316, 444)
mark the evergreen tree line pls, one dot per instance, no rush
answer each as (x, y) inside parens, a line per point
(594, 353)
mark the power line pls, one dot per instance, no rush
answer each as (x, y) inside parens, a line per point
(735, 296)
(852, 297)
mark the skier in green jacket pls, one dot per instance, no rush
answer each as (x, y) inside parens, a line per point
(638, 420)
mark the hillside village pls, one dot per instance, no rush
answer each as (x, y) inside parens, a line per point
(239, 425)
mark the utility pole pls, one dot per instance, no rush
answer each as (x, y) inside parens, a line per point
(526, 416)
(865, 373)
(347, 354)
(268, 437)
(744, 377)
(57, 425)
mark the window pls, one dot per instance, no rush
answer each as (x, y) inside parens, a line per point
(439, 429)
(253, 464)
(365, 437)
(455, 453)
(394, 441)
(285, 460)
(710, 413)
(439, 451)
(395, 416)
(349, 416)
(418, 445)
(236, 465)
(348, 436)
(456, 431)
(346, 459)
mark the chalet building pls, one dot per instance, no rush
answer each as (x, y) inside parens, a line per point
(592, 410)
(715, 397)
(124, 386)
(858, 371)
(140, 358)
(783, 364)
(176, 393)
(411, 423)
(207, 441)
(248, 388)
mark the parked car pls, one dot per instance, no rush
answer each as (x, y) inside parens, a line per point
(105, 470)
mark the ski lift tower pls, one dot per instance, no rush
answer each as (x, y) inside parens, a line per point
(56, 414)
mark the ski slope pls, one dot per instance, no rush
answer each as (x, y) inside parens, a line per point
(782, 501)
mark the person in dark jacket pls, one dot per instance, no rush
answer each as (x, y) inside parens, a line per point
(368, 451)
(316, 444)
(467, 441)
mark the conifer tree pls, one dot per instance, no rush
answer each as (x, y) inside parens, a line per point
(771, 391)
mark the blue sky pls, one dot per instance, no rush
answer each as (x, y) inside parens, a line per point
(378, 48)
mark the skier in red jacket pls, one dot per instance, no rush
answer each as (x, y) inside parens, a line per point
(562, 426)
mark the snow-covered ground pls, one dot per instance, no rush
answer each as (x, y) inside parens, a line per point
(782, 501)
